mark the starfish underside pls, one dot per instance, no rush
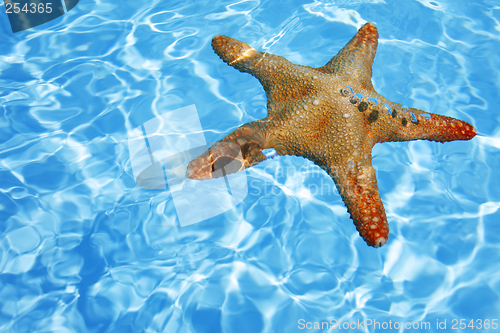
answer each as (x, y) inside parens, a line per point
(330, 115)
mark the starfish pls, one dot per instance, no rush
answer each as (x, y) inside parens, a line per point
(330, 115)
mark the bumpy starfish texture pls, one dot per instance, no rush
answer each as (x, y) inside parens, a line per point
(330, 115)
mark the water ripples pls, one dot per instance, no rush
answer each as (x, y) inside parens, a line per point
(82, 248)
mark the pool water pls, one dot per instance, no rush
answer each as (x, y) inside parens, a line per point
(85, 249)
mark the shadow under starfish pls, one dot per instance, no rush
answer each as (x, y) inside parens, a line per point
(330, 115)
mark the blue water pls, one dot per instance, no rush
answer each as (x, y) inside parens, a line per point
(84, 249)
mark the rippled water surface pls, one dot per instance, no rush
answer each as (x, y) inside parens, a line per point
(84, 249)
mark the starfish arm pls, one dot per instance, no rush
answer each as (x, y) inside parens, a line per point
(237, 54)
(282, 80)
(413, 124)
(356, 58)
(238, 150)
(357, 185)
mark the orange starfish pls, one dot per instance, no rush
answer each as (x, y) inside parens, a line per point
(330, 115)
